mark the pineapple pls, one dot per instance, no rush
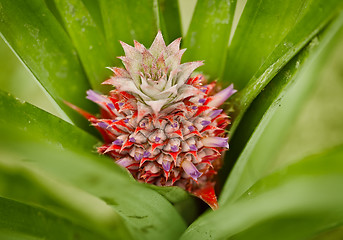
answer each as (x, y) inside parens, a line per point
(161, 124)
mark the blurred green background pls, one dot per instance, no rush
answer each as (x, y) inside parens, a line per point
(319, 125)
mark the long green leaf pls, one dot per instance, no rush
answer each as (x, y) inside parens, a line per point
(320, 121)
(88, 39)
(208, 35)
(36, 36)
(147, 214)
(295, 203)
(94, 9)
(259, 154)
(30, 119)
(263, 24)
(326, 163)
(331, 234)
(170, 19)
(304, 30)
(267, 98)
(128, 20)
(32, 187)
(268, 30)
(24, 222)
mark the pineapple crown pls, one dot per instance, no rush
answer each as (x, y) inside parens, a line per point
(155, 76)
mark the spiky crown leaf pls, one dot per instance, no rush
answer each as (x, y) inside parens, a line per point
(155, 75)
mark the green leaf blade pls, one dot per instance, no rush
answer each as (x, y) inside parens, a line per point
(41, 43)
(258, 156)
(253, 41)
(88, 39)
(32, 187)
(170, 19)
(94, 9)
(128, 20)
(255, 47)
(296, 202)
(21, 221)
(302, 32)
(208, 35)
(40, 124)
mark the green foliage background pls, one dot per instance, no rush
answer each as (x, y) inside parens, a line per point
(283, 175)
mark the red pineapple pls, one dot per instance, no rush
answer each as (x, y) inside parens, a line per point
(161, 124)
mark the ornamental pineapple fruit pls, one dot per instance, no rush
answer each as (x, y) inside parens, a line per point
(160, 123)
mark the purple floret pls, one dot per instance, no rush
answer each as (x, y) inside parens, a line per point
(102, 125)
(146, 154)
(174, 148)
(118, 142)
(205, 122)
(192, 147)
